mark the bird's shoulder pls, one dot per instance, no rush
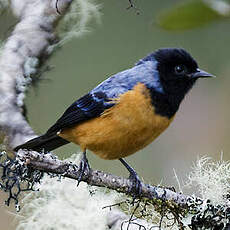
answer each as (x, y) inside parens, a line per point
(89, 106)
(102, 97)
(144, 72)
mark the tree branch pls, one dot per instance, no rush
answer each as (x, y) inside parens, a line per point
(49, 163)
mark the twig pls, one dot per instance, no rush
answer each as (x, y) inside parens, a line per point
(47, 163)
(57, 7)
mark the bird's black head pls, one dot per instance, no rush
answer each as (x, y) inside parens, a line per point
(178, 71)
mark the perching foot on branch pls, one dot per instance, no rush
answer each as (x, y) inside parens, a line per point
(135, 188)
(84, 167)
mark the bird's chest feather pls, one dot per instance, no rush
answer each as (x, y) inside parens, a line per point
(123, 129)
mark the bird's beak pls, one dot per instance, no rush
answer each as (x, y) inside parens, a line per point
(201, 74)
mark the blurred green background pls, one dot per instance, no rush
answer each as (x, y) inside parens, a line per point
(201, 125)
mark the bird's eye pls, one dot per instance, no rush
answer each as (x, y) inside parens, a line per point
(180, 69)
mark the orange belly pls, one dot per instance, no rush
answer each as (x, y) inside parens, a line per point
(123, 129)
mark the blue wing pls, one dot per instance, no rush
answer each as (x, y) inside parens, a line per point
(85, 108)
(145, 71)
(99, 99)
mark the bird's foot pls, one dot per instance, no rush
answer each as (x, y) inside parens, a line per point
(84, 168)
(136, 187)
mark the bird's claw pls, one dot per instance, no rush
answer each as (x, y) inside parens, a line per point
(84, 168)
(136, 187)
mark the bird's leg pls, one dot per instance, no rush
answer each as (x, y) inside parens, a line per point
(83, 167)
(136, 182)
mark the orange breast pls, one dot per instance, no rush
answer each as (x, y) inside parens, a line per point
(123, 129)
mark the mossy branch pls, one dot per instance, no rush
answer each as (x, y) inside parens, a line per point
(49, 163)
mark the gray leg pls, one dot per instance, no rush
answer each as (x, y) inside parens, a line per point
(136, 182)
(83, 167)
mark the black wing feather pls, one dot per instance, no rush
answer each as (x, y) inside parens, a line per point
(85, 108)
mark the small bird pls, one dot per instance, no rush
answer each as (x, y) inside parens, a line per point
(127, 111)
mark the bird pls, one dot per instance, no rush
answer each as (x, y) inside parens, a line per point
(126, 112)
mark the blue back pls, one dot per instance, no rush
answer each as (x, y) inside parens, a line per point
(99, 99)
(143, 72)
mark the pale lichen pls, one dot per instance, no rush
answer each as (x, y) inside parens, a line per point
(211, 180)
(30, 66)
(21, 86)
(83, 205)
(62, 205)
(75, 22)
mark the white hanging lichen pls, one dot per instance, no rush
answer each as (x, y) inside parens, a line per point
(62, 205)
(75, 22)
(212, 180)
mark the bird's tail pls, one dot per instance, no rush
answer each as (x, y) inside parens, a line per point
(46, 142)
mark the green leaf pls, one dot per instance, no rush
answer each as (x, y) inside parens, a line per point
(188, 15)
